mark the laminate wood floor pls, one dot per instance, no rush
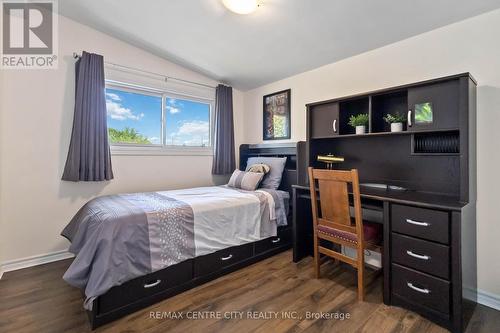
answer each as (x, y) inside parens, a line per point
(38, 300)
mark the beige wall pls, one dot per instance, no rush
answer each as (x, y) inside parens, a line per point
(35, 127)
(470, 45)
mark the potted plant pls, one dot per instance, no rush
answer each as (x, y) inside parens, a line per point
(396, 121)
(359, 122)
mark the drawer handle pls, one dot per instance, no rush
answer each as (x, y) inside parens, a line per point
(418, 256)
(277, 240)
(226, 258)
(151, 285)
(420, 290)
(422, 224)
(334, 125)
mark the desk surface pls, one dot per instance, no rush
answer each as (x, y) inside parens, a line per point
(423, 199)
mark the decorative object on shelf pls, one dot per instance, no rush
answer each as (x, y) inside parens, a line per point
(241, 7)
(329, 160)
(277, 115)
(359, 122)
(396, 121)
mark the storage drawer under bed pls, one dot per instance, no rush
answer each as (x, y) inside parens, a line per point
(283, 238)
(218, 260)
(146, 286)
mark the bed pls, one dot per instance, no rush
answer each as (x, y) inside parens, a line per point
(133, 250)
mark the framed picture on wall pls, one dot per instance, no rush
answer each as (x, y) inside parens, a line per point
(277, 115)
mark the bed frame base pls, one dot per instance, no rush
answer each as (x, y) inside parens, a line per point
(97, 320)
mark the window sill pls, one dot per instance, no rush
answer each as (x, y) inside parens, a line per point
(126, 150)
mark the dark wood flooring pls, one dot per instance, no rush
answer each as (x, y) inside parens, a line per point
(38, 300)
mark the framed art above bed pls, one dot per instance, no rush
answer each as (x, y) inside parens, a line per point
(276, 113)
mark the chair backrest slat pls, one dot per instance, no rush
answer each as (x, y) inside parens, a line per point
(334, 208)
(334, 200)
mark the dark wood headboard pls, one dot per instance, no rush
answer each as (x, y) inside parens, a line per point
(288, 150)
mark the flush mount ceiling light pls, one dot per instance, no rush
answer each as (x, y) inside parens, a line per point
(241, 6)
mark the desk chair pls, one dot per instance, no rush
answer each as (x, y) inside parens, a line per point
(333, 223)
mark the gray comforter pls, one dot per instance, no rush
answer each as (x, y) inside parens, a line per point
(120, 237)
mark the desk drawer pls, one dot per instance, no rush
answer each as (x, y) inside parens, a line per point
(421, 288)
(215, 261)
(283, 238)
(428, 257)
(420, 222)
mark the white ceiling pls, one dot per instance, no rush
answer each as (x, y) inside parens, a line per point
(282, 38)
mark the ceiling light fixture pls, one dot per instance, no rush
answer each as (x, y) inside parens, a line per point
(241, 6)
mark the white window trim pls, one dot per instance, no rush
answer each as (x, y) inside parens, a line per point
(156, 150)
(126, 149)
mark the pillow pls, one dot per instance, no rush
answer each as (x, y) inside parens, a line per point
(262, 168)
(248, 181)
(277, 165)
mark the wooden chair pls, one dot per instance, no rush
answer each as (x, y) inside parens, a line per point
(333, 222)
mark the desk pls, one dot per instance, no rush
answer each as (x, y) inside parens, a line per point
(373, 201)
(429, 225)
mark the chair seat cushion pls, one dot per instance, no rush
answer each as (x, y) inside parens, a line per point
(372, 233)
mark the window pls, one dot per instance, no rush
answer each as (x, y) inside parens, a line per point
(188, 123)
(133, 118)
(150, 120)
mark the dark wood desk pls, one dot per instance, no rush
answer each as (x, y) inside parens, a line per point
(437, 235)
(429, 239)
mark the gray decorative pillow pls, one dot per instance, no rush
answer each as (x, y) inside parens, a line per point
(262, 168)
(248, 181)
(277, 165)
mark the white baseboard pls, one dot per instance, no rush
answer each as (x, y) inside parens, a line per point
(13, 265)
(488, 299)
(484, 297)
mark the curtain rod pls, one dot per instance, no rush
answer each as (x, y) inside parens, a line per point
(166, 77)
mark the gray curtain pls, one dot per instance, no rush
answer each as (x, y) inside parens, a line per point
(89, 157)
(224, 160)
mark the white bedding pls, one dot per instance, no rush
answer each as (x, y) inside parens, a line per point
(226, 217)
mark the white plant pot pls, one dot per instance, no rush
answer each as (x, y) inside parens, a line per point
(396, 127)
(360, 129)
